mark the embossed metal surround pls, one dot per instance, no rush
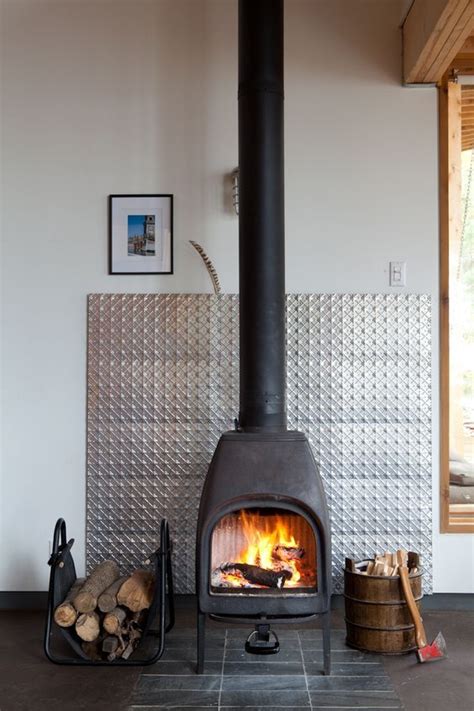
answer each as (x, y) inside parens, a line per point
(163, 385)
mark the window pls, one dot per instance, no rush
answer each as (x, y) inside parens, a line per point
(457, 305)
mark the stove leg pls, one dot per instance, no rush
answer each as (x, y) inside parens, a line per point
(326, 620)
(201, 641)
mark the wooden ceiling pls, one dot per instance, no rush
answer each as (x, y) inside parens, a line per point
(438, 46)
(463, 63)
(434, 33)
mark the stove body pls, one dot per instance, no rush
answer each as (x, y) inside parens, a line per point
(273, 475)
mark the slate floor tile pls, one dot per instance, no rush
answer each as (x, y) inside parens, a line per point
(238, 636)
(338, 655)
(348, 669)
(380, 699)
(336, 643)
(286, 654)
(197, 682)
(348, 683)
(244, 668)
(237, 681)
(264, 698)
(267, 681)
(318, 634)
(183, 697)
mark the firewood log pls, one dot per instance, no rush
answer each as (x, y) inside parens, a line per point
(88, 626)
(136, 593)
(110, 643)
(111, 647)
(258, 576)
(108, 599)
(65, 614)
(113, 621)
(133, 641)
(128, 650)
(99, 580)
(287, 553)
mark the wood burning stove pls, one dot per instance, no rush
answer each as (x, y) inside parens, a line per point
(263, 543)
(263, 551)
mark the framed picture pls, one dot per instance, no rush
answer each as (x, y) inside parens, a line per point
(140, 234)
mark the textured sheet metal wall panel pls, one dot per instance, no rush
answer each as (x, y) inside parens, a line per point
(163, 385)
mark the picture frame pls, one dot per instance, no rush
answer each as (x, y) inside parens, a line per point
(141, 234)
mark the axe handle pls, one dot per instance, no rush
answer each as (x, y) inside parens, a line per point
(412, 606)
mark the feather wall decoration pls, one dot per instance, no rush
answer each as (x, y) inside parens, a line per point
(209, 266)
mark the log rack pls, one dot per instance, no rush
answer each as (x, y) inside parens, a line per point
(63, 576)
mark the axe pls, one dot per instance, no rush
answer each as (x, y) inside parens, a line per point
(425, 652)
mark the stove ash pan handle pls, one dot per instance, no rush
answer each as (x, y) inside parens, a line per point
(262, 640)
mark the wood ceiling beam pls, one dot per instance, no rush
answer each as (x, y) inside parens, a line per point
(468, 47)
(461, 64)
(433, 34)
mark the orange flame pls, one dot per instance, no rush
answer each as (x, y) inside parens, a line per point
(262, 537)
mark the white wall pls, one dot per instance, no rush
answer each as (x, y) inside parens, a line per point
(111, 96)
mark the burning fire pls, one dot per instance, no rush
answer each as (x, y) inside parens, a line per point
(262, 542)
(271, 547)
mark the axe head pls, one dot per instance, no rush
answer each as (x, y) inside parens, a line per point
(432, 652)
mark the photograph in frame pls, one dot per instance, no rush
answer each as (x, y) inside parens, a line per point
(141, 234)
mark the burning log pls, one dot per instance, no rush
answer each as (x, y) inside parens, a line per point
(65, 614)
(287, 553)
(99, 580)
(256, 575)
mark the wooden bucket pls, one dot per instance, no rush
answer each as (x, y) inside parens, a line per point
(377, 616)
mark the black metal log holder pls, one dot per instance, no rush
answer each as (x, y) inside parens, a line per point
(63, 576)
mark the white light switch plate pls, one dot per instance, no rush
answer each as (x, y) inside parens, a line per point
(398, 273)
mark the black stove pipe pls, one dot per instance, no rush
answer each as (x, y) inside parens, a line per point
(261, 217)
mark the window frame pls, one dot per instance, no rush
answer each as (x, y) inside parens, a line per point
(450, 148)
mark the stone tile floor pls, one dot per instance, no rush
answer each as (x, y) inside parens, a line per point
(291, 679)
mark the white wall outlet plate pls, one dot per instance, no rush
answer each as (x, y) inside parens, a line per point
(398, 273)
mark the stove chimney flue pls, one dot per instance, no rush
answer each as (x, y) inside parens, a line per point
(261, 217)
